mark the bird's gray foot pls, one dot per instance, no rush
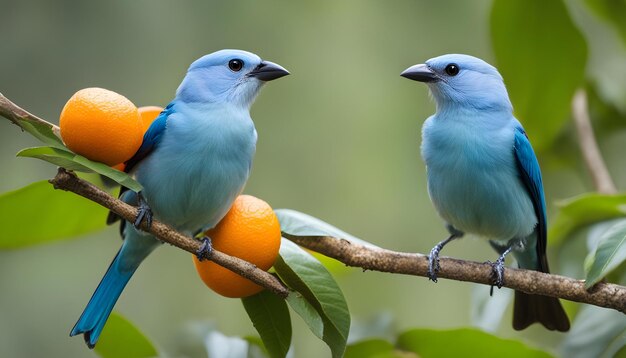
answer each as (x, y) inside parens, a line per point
(433, 263)
(498, 268)
(433, 258)
(144, 212)
(498, 272)
(205, 251)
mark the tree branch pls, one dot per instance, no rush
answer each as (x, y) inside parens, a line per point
(533, 282)
(589, 147)
(14, 113)
(603, 294)
(66, 180)
(356, 255)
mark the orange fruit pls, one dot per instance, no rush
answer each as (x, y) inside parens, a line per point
(148, 115)
(101, 125)
(249, 231)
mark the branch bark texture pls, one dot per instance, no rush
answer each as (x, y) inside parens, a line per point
(14, 113)
(68, 181)
(533, 282)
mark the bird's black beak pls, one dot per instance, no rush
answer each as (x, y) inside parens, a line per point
(420, 73)
(267, 71)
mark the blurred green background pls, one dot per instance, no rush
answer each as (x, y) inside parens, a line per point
(338, 139)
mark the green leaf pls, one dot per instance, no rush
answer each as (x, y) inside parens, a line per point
(41, 131)
(270, 316)
(334, 266)
(41, 214)
(464, 342)
(613, 11)
(120, 338)
(295, 223)
(596, 332)
(304, 274)
(610, 253)
(256, 347)
(371, 348)
(71, 161)
(56, 156)
(304, 309)
(583, 210)
(541, 55)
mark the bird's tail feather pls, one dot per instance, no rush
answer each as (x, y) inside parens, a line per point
(95, 315)
(548, 311)
(527, 308)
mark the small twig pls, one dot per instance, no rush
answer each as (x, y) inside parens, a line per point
(68, 181)
(589, 147)
(533, 282)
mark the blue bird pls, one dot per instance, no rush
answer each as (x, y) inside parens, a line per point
(194, 161)
(483, 176)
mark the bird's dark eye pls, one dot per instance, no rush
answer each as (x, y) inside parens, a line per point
(452, 69)
(235, 65)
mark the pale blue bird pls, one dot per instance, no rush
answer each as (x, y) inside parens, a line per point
(194, 161)
(483, 176)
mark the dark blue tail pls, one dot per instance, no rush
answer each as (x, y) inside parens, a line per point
(101, 304)
(528, 308)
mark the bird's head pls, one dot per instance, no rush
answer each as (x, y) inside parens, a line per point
(462, 81)
(228, 76)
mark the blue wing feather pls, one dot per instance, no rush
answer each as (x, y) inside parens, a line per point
(530, 175)
(151, 138)
(150, 141)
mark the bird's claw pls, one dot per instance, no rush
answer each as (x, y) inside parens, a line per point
(433, 264)
(498, 266)
(498, 272)
(144, 212)
(433, 257)
(205, 251)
